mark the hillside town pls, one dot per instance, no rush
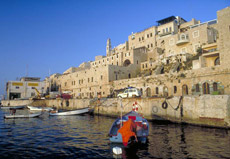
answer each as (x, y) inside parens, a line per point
(176, 57)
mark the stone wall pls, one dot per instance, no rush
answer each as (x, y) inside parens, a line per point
(206, 110)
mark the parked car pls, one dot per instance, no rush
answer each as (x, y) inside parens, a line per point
(130, 92)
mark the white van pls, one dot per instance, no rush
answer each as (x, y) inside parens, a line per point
(130, 92)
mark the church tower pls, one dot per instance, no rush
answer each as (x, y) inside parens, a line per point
(108, 47)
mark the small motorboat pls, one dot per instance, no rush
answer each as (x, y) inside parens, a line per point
(13, 116)
(13, 107)
(130, 128)
(41, 108)
(70, 112)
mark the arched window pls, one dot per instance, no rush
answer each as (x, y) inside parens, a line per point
(184, 89)
(217, 61)
(206, 88)
(165, 91)
(127, 63)
(182, 37)
(148, 92)
(215, 88)
(129, 75)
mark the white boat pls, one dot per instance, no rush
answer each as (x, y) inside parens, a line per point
(39, 108)
(13, 116)
(13, 107)
(71, 112)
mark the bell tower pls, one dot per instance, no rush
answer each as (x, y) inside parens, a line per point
(108, 47)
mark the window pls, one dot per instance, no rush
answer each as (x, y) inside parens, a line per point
(101, 77)
(163, 31)
(88, 79)
(17, 87)
(206, 88)
(182, 37)
(148, 46)
(92, 79)
(152, 34)
(157, 90)
(142, 38)
(139, 39)
(116, 76)
(197, 88)
(175, 89)
(117, 56)
(170, 29)
(129, 75)
(195, 34)
(167, 61)
(217, 61)
(184, 89)
(167, 30)
(214, 86)
(151, 45)
(143, 66)
(137, 61)
(146, 65)
(147, 35)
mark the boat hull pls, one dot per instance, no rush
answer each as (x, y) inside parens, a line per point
(141, 128)
(39, 108)
(22, 116)
(72, 112)
(13, 107)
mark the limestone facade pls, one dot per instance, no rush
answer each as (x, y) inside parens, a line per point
(174, 58)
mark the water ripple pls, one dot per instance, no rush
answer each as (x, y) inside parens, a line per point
(86, 137)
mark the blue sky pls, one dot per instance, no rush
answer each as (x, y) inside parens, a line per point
(41, 35)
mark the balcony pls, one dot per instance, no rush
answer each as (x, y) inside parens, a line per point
(183, 39)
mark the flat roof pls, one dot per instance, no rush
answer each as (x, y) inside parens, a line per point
(166, 20)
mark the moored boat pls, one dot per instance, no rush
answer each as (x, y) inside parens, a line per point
(130, 128)
(41, 108)
(70, 112)
(13, 116)
(13, 107)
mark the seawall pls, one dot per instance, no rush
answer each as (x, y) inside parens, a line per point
(205, 110)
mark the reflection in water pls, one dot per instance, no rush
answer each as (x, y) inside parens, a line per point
(86, 137)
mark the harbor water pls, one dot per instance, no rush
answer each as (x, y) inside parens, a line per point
(86, 136)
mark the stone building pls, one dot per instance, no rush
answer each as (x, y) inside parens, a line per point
(174, 58)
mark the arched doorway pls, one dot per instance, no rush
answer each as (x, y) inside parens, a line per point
(127, 62)
(206, 89)
(184, 89)
(148, 92)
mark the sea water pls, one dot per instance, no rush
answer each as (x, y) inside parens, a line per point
(86, 136)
